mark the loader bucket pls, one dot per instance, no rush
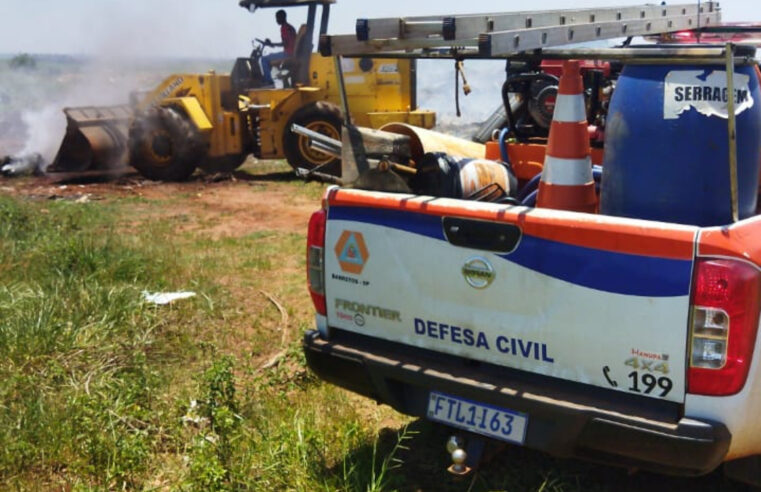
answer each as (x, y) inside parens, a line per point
(96, 139)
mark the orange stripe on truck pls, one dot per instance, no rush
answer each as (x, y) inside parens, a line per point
(616, 234)
(740, 240)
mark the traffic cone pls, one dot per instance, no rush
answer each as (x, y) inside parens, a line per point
(566, 181)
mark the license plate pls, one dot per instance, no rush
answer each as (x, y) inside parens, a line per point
(487, 420)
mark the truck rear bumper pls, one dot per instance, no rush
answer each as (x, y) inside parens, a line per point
(565, 419)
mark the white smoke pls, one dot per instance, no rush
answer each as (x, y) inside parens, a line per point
(37, 97)
(44, 127)
(119, 47)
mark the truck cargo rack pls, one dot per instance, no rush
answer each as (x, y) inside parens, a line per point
(540, 35)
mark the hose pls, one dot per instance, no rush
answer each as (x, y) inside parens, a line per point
(530, 200)
(457, 89)
(503, 144)
(527, 194)
(529, 187)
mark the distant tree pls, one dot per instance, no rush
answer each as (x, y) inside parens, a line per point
(23, 61)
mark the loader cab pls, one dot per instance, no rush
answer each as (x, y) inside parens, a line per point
(247, 74)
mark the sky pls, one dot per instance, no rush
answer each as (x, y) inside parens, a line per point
(222, 29)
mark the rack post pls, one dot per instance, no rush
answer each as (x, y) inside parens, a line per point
(731, 127)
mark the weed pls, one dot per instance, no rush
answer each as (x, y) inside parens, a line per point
(212, 451)
(379, 476)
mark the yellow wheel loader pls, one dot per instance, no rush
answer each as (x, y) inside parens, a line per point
(214, 121)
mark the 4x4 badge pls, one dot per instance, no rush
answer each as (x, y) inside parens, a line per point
(478, 272)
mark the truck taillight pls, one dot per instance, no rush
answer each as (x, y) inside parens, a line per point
(725, 310)
(315, 260)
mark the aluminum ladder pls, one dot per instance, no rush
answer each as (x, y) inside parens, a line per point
(499, 35)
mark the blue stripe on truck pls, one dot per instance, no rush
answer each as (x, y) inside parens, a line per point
(620, 273)
(636, 275)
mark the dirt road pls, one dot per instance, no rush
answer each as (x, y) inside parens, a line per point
(260, 196)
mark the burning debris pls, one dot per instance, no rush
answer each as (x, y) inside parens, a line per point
(12, 166)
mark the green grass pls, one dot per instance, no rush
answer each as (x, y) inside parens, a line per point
(101, 391)
(82, 358)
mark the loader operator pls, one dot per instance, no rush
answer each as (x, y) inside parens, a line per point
(288, 42)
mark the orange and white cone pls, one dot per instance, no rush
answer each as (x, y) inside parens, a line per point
(567, 182)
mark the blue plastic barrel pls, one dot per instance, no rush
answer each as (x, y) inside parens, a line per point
(666, 144)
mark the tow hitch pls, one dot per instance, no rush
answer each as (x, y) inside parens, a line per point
(466, 454)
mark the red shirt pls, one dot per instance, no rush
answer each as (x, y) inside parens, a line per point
(288, 36)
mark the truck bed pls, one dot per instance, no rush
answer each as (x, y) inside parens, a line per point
(575, 327)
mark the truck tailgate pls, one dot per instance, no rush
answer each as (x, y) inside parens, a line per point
(597, 300)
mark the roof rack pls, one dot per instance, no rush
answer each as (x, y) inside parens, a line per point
(502, 35)
(259, 4)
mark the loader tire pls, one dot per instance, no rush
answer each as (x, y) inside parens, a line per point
(165, 145)
(321, 117)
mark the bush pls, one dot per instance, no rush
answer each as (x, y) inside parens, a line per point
(23, 61)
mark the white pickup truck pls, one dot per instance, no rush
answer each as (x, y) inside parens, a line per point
(611, 339)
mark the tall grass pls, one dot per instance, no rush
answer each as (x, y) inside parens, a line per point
(78, 346)
(100, 390)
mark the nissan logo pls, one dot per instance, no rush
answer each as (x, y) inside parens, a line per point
(478, 272)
